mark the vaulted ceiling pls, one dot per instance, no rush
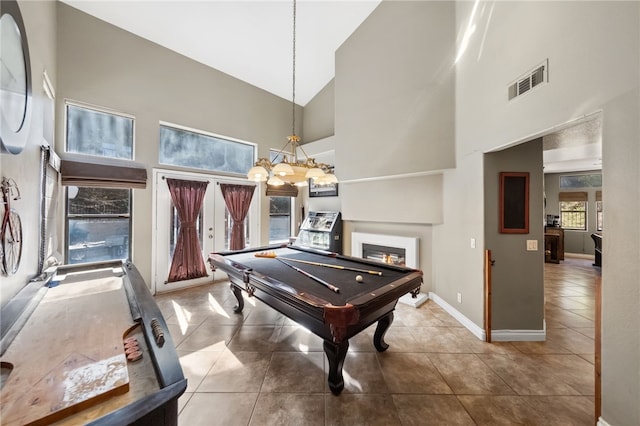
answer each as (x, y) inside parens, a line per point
(252, 40)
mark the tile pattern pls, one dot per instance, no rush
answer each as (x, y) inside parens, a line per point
(260, 368)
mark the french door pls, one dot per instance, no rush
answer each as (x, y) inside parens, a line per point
(213, 226)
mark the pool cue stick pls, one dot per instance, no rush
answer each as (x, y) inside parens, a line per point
(313, 277)
(273, 255)
(328, 265)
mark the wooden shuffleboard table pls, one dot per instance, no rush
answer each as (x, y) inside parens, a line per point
(301, 283)
(88, 345)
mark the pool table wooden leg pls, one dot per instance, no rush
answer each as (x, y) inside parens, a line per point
(238, 294)
(383, 325)
(336, 353)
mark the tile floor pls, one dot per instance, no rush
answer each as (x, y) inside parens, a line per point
(260, 368)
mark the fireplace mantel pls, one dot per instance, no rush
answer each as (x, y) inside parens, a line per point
(410, 246)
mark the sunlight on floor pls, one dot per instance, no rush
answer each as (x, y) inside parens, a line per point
(216, 307)
(182, 315)
(348, 379)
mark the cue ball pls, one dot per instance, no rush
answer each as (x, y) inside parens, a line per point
(359, 278)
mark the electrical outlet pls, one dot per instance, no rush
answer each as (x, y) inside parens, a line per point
(532, 245)
(459, 297)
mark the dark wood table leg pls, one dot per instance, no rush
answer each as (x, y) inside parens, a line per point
(238, 294)
(383, 325)
(336, 353)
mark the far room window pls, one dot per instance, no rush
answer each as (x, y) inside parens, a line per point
(198, 150)
(573, 210)
(593, 180)
(98, 219)
(599, 214)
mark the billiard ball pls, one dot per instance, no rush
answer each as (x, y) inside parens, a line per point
(359, 278)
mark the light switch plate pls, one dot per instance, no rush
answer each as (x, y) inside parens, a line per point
(532, 245)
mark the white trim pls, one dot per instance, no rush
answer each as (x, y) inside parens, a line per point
(496, 335)
(390, 177)
(98, 108)
(602, 422)
(409, 244)
(520, 335)
(469, 325)
(205, 133)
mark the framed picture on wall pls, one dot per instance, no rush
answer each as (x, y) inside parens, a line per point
(330, 190)
(514, 202)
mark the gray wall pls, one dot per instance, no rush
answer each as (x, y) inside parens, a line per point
(392, 142)
(319, 115)
(574, 241)
(405, 51)
(101, 65)
(518, 274)
(40, 25)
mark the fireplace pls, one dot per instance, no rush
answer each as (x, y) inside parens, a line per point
(392, 249)
(384, 254)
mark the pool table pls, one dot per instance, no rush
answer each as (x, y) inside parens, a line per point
(297, 281)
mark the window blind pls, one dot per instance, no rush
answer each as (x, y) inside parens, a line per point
(573, 196)
(286, 190)
(86, 170)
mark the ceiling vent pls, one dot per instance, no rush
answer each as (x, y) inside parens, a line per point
(533, 78)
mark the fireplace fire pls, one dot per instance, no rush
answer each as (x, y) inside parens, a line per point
(384, 254)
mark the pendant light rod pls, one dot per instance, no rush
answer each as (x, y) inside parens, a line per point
(293, 78)
(296, 172)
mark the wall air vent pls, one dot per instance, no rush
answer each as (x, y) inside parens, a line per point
(533, 78)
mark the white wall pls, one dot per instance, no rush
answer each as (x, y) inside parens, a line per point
(621, 251)
(593, 50)
(24, 168)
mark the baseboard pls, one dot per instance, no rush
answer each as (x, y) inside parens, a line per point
(579, 255)
(496, 335)
(466, 322)
(519, 335)
(602, 422)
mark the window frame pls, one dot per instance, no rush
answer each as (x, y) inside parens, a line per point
(599, 215)
(102, 110)
(273, 155)
(206, 134)
(70, 217)
(584, 212)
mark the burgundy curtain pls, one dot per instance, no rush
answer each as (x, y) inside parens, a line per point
(187, 262)
(238, 200)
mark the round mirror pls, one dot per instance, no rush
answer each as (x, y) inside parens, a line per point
(15, 80)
